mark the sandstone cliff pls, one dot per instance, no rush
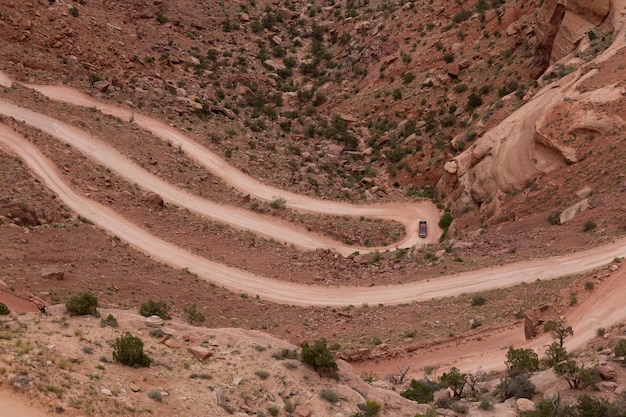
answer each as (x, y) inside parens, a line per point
(546, 133)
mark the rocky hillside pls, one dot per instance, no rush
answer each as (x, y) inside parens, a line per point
(568, 129)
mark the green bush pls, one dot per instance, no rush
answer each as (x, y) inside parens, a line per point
(128, 350)
(193, 315)
(420, 391)
(589, 226)
(82, 304)
(155, 395)
(370, 408)
(318, 356)
(519, 387)
(455, 380)
(474, 101)
(110, 321)
(479, 300)
(462, 15)
(4, 310)
(155, 308)
(519, 361)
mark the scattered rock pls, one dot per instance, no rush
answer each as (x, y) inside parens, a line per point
(21, 213)
(107, 392)
(155, 201)
(244, 17)
(571, 212)
(523, 405)
(583, 192)
(102, 85)
(200, 353)
(607, 372)
(154, 321)
(53, 273)
(302, 411)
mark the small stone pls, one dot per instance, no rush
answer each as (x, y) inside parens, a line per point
(200, 353)
(107, 392)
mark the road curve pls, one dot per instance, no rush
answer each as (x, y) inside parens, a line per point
(289, 293)
(407, 213)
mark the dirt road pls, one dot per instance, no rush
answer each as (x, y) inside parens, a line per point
(281, 292)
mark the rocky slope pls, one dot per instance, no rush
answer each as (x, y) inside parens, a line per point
(571, 124)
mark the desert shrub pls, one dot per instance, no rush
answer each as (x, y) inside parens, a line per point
(289, 407)
(262, 374)
(200, 376)
(448, 58)
(329, 395)
(589, 285)
(155, 395)
(407, 77)
(519, 387)
(82, 304)
(157, 333)
(474, 101)
(128, 350)
(110, 321)
(273, 410)
(318, 356)
(161, 18)
(519, 361)
(285, 354)
(462, 15)
(587, 406)
(455, 380)
(4, 310)
(620, 349)
(370, 408)
(485, 404)
(155, 308)
(479, 300)
(589, 226)
(193, 315)
(460, 88)
(278, 203)
(420, 391)
(577, 376)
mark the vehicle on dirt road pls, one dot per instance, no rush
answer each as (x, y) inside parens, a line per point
(422, 229)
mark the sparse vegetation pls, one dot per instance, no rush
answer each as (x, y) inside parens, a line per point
(329, 395)
(128, 350)
(193, 315)
(4, 310)
(110, 321)
(318, 356)
(82, 304)
(155, 308)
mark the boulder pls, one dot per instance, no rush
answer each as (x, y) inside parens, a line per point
(53, 273)
(441, 395)
(454, 70)
(607, 372)
(154, 321)
(244, 17)
(199, 352)
(571, 212)
(302, 411)
(20, 213)
(524, 405)
(155, 201)
(102, 85)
